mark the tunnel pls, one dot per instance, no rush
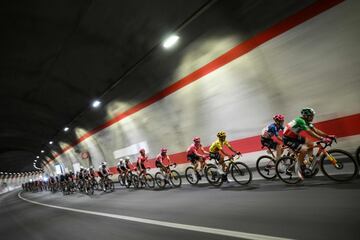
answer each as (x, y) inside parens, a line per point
(207, 119)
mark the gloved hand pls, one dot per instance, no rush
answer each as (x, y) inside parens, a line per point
(239, 153)
(327, 140)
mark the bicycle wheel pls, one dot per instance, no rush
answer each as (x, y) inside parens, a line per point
(286, 170)
(241, 173)
(339, 165)
(135, 181)
(190, 175)
(213, 175)
(112, 186)
(90, 190)
(149, 181)
(175, 178)
(358, 155)
(265, 166)
(160, 180)
(120, 179)
(127, 181)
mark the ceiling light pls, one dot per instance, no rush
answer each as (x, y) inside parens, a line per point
(51, 142)
(96, 103)
(66, 129)
(42, 151)
(170, 41)
(37, 157)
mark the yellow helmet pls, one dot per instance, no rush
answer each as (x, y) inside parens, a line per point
(221, 134)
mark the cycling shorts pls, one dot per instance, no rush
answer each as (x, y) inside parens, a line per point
(268, 142)
(214, 155)
(294, 143)
(193, 158)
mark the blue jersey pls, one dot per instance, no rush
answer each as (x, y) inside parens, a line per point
(271, 130)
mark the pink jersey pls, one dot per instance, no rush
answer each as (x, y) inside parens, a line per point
(142, 159)
(194, 150)
(161, 159)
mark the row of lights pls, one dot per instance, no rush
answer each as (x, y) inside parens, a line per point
(168, 43)
(33, 172)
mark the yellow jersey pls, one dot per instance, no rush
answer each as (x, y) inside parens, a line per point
(218, 145)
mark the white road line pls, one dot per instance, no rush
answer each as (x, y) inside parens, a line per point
(215, 231)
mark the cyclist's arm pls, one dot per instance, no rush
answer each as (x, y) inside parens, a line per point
(232, 149)
(203, 150)
(224, 153)
(313, 134)
(319, 132)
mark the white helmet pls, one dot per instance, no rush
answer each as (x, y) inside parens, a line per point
(127, 158)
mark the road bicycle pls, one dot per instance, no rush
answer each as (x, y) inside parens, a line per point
(239, 171)
(190, 173)
(265, 164)
(169, 176)
(336, 164)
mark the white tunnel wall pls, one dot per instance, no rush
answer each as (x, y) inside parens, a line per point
(313, 64)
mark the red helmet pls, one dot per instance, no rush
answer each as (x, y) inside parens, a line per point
(279, 117)
(196, 139)
(163, 150)
(142, 150)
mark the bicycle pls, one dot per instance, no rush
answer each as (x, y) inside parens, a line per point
(358, 155)
(265, 164)
(107, 184)
(146, 180)
(240, 172)
(190, 172)
(330, 162)
(171, 177)
(88, 187)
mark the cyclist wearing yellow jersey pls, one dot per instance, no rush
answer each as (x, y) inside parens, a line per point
(217, 152)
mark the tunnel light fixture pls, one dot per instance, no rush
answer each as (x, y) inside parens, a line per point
(96, 103)
(42, 151)
(38, 157)
(66, 129)
(170, 41)
(51, 142)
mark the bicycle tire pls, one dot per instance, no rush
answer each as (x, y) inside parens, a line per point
(190, 175)
(358, 155)
(149, 181)
(175, 178)
(241, 173)
(160, 180)
(286, 165)
(135, 181)
(265, 165)
(351, 166)
(213, 176)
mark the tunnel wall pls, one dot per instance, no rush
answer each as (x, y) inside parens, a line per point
(313, 63)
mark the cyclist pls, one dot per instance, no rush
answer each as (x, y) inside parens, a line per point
(129, 167)
(296, 142)
(272, 130)
(217, 152)
(159, 161)
(142, 158)
(105, 172)
(195, 154)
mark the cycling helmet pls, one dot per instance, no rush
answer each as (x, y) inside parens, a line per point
(91, 167)
(142, 150)
(81, 168)
(103, 163)
(279, 117)
(307, 112)
(163, 150)
(127, 158)
(221, 134)
(196, 139)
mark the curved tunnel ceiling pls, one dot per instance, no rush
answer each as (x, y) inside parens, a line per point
(56, 56)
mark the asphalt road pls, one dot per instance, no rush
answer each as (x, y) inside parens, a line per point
(316, 209)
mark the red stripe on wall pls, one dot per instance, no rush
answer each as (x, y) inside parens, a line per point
(341, 127)
(234, 53)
